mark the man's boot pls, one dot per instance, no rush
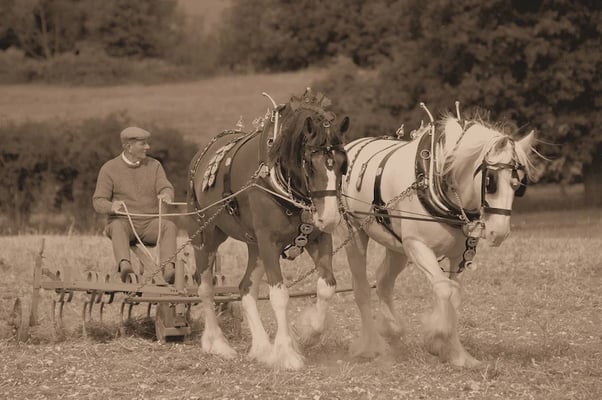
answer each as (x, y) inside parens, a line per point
(169, 273)
(124, 269)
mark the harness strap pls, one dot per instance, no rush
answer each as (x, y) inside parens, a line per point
(324, 193)
(232, 206)
(364, 144)
(500, 211)
(360, 177)
(377, 202)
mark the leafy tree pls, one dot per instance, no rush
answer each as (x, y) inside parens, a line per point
(42, 28)
(533, 64)
(288, 35)
(133, 28)
(122, 28)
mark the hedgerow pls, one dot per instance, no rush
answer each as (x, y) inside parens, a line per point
(48, 170)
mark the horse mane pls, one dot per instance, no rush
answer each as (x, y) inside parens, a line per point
(478, 140)
(287, 147)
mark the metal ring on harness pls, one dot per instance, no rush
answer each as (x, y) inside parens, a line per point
(425, 154)
(307, 217)
(306, 228)
(301, 240)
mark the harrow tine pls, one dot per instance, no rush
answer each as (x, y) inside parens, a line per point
(129, 311)
(87, 311)
(100, 311)
(57, 318)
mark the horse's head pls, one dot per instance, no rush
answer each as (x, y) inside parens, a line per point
(490, 169)
(310, 152)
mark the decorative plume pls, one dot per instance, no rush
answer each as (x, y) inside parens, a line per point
(316, 102)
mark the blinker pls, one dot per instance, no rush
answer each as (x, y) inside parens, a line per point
(490, 178)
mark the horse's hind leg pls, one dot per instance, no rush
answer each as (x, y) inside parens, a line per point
(212, 340)
(388, 322)
(441, 325)
(249, 290)
(312, 321)
(370, 343)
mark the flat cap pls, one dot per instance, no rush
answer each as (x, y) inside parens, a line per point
(133, 133)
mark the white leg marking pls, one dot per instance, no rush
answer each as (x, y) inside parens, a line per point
(260, 342)
(312, 320)
(213, 340)
(284, 354)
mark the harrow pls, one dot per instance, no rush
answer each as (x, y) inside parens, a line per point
(172, 302)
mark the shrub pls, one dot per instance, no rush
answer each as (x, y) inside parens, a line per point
(15, 67)
(49, 170)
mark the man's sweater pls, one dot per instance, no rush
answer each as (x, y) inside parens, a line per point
(136, 186)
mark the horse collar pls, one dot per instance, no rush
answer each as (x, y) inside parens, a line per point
(432, 194)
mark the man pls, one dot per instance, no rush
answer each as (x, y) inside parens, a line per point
(134, 182)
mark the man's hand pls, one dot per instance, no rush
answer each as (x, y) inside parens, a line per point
(165, 197)
(116, 206)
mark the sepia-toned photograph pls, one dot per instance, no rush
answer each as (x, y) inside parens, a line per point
(275, 199)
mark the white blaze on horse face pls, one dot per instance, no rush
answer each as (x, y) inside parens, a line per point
(327, 216)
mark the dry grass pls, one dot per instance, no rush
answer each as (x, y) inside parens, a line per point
(531, 312)
(531, 309)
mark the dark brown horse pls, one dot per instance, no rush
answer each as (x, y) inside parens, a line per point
(276, 189)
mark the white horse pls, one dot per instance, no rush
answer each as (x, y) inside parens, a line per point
(424, 200)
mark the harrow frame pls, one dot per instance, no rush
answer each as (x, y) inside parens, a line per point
(173, 302)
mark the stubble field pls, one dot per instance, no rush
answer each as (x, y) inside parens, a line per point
(531, 312)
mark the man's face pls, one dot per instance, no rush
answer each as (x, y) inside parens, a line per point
(137, 149)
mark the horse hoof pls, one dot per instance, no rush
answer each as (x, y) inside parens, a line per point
(306, 336)
(218, 346)
(292, 362)
(363, 351)
(390, 328)
(260, 353)
(225, 352)
(436, 344)
(283, 357)
(466, 361)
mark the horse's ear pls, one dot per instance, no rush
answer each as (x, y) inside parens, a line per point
(527, 142)
(309, 127)
(453, 131)
(344, 125)
(501, 145)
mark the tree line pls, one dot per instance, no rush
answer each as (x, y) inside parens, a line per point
(101, 42)
(533, 65)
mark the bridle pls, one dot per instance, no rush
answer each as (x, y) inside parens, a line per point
(489, 182)
(306, 195)
(329, 152)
